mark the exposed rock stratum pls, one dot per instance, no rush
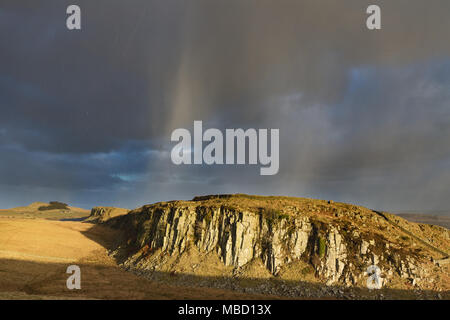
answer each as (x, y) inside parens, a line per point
(103, 214)
(249, 238)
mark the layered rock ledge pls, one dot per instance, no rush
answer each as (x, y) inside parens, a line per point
(280, 237)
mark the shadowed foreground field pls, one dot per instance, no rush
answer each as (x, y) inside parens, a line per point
(34, 255)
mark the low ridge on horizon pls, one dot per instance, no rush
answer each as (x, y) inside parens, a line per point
(413, 216)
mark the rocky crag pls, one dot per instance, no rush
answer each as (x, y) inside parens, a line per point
(281, 245)
(103, 214)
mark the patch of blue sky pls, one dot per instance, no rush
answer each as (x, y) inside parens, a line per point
(126, 177)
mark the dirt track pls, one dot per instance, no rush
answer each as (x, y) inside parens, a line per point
(34, 256)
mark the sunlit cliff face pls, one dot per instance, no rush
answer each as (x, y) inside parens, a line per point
(364, 116)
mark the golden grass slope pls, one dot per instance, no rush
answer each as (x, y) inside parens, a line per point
(32, 212)
(35, 254)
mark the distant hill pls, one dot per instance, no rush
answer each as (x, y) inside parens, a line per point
(53, 210)
(438, 220)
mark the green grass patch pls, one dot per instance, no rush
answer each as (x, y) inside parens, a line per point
(322, 247)
(272, 215)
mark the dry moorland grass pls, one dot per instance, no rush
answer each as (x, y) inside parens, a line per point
(34, 256)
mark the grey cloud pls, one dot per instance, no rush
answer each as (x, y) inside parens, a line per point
(363, 116)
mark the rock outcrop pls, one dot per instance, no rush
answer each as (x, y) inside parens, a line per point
(337, 241)
(103, 214)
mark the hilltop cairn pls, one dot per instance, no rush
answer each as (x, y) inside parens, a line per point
(337, 241)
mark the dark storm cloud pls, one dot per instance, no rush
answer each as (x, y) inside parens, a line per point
(108, 80)
(89, 171)
(363, 116)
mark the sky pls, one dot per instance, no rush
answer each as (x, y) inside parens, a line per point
(86, 115)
